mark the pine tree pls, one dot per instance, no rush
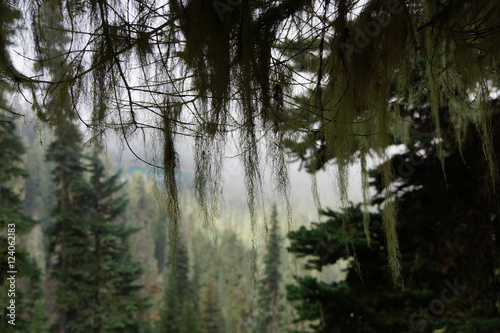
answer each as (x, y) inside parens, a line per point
(268, 319)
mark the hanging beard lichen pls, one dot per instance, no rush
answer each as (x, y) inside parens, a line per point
(338, 78)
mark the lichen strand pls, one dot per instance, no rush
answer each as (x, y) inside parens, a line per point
(437, 59)
(364, 81)
(208, 182)
(170, 166)
(463, 52)
(433, 57)
(253, 182)
(366, 194)
(358, 117)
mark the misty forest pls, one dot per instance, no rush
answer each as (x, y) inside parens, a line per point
(226, 166)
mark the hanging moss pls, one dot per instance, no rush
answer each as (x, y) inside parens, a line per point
(231, 69)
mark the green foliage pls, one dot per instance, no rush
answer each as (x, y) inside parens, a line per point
(189, 320)
(36, 316)
(211, 316)
(11, 213)
(445, 231)
(179, 313)
(11, 169)
(9, 16)
(268, 305)
(353, 304)
(234, 285)
(39, 187)
(143, 215)
(225, 263)
(93, 268)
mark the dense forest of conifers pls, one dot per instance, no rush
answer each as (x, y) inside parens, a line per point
(94, 253)
(93, 249)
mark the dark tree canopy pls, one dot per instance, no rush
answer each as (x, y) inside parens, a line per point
(342, 78)
(447, 234)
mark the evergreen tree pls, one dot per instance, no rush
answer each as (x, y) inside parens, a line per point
(235, 283)
(268, 319)
(179, 312)
(449, 265)
(142, 214)
(94, 272)
(211, 316)
(34, 304)
(39, 198)
(189, 321)
(13, 222)
(70, 233)
(118, 305)
(356, 304)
